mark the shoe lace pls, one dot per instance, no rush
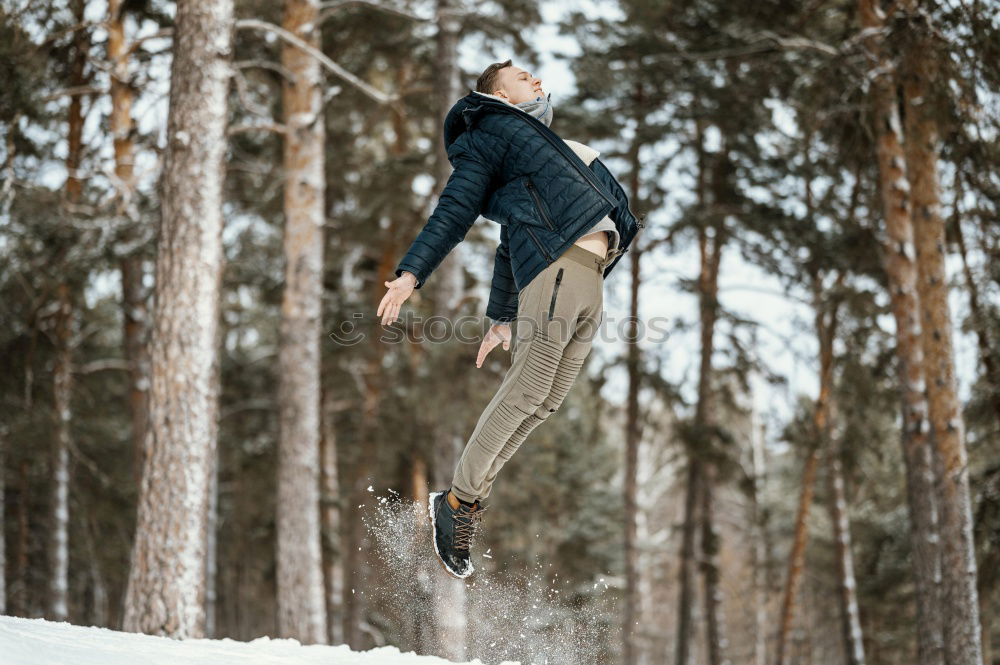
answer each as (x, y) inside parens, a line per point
(466, 524)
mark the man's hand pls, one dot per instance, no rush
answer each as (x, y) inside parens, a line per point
(498, 332)
(399, 290)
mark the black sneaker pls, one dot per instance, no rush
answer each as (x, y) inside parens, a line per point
(453, 531)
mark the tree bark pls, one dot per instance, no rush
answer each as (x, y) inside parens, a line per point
(758, 531)
(695, 472)
(854, 649)
(826, 324)
(3, 517)
(330, 502)
(136, 320)
(62, 379)
(980, 324)
(449, 275)
(901, 273)
(301, 603)
(62, 371)
(421, 630)
(166, 585)
(960, 606)
(212, 552)
(687, 567)
(20, 591)
(710, 252)
(99, 591)
(449, 595)
(632, 614)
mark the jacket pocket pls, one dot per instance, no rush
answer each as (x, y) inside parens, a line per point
(555, 292)
(539, 206)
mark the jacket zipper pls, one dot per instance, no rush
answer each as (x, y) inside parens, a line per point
(555, 290)
(538, 242)
(538, 204)
(588, 176)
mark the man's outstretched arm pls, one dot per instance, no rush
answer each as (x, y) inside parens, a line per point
(456, 211)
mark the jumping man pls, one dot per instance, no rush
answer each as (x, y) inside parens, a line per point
(564, 223)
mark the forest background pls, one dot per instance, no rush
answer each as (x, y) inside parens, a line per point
(785, 446)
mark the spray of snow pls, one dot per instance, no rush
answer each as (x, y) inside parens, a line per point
(509, 616)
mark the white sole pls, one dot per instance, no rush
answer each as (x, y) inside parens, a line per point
(430, 511)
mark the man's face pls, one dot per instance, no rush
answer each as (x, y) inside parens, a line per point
(517, 85)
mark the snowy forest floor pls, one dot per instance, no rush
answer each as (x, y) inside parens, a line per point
(513, 618)
(41, 642)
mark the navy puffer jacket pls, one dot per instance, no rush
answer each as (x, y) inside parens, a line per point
(511, 168)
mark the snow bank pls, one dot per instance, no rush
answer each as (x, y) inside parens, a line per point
(40, 642)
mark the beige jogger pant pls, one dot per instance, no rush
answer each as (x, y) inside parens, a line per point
(559, 314)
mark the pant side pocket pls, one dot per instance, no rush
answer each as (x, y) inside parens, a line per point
(555, 291)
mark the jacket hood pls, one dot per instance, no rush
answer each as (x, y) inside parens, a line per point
(454, 123)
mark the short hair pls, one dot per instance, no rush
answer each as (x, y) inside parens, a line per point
(489, 80)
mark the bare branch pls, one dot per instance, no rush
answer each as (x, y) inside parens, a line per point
(327, 9)
(262, 404)
(266, 64)
(263, 127)
(102, 365)
(795, 43)
(373, 93)
(134, 46)
(244, 95)
(71, 29)
(73, 92)
(760, 42)
(91, 465)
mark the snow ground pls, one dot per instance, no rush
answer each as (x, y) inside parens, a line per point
(41, 642)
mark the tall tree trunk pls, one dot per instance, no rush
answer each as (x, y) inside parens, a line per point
(688, 564)
(99, 592)
(20, 592)
(796, 558)
(136, 346)
(330, 501)
(760, 555)
(448, 593)
(695, 474)
(714, 625)
(980, 325)
(960, 606)
(421, 630)
(3, 517)
(632, 435)
(710, 252)
(135, 319)
(62, 378)
(826, 324)
(354, 565)
(901, 272)
(301, 603)
(62, 371)
(166, 585)
(448, 276)
(212, 552)
(854, 649)
(451, 600)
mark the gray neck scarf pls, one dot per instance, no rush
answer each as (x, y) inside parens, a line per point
(539, 107)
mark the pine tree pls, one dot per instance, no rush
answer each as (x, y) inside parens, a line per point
(166, 591)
